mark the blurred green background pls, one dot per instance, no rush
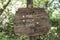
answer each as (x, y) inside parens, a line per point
(8, 9)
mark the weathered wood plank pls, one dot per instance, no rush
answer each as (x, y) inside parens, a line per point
(31, 21)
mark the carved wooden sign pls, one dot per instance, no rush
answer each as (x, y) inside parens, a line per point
(31, 21)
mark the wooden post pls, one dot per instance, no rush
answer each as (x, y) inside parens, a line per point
(30, 5)
(32, 37)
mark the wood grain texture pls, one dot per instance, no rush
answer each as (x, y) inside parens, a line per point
(31, 22)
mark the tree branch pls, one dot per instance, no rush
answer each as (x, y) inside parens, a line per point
(50, 3)
(4, 7)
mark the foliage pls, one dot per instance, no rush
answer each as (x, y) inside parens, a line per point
(7, 13)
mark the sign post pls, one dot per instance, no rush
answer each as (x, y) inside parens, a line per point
(31, 21)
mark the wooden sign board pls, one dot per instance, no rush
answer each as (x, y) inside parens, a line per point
(31, 22)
